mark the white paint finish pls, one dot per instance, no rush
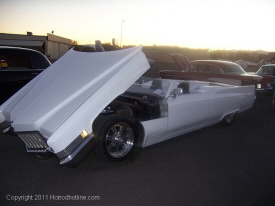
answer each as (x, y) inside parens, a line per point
(155, 131)
(188, 111)
(91, 108)
(68, 95)
(206, 104)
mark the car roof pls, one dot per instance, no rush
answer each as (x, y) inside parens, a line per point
(217, 63)
(39, 60)
(268, 65)
(16, 48)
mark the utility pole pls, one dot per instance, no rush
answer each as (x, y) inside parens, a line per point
(121, 34)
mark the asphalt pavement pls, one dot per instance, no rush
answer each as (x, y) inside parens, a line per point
(218, 165)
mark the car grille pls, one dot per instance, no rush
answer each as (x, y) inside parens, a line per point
(34, 141)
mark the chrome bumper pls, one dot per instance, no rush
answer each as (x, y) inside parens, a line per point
(71, 156)
(72, 149)
(75, 153)
(5, 127)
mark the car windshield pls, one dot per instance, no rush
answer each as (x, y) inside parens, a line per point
(233, 69)
(150, 86)
(267, 70)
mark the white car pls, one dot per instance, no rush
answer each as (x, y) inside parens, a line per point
(80, 104)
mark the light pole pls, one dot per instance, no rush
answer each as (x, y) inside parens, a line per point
(121, 34)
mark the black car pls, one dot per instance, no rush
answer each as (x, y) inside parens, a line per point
(17, 67)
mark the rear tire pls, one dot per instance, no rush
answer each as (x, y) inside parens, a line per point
(116, 137)
(229, 118)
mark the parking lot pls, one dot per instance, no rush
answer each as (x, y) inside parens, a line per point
(218, 165)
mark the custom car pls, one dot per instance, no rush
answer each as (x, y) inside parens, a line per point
(210, 70)
(96, 102)
(17, 67)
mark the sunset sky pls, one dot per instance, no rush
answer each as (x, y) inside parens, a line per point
(215, 24)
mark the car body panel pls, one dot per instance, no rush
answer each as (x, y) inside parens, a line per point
(205, 104)
(155, 131)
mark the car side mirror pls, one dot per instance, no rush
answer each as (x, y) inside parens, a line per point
(178, 91)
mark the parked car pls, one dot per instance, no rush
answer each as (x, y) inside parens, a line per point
(87, 101)
(268, 73)
(210, 70)
(17, 67)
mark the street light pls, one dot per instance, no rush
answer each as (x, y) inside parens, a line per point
(121, 34)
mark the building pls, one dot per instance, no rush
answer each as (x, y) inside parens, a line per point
(52, 46)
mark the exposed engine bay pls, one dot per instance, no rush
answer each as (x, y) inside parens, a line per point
(138, 106)
(139, 103)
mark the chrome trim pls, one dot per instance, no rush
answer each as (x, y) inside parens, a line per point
(70, 148)
(5, 126)
(34, 141)
(75, 152)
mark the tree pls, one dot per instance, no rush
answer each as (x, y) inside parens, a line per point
(217, 54)
(73, 43)
(232, 56)
(110, 47)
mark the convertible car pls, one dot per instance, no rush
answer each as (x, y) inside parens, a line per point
(93, 101)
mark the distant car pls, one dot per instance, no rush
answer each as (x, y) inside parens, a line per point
(85, 102)
(268, 73)
(210, 70)
(17, 67)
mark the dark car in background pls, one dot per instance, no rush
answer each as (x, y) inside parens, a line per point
(268, 73)
(17, 67)
(210, 70)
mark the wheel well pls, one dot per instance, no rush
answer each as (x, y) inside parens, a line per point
(139, 129)
(140, 133)
(138, 108)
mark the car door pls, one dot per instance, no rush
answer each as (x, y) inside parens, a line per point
(188, 112)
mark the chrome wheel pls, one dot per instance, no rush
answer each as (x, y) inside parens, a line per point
(119, 139)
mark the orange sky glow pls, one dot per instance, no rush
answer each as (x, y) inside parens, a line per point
(214, 24)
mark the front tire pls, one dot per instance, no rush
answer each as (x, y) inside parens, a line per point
(116, 137)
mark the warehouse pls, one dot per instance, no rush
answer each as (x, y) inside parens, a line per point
(52, 46)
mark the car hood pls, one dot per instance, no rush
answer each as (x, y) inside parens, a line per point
(181, 61)
(52, 97)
